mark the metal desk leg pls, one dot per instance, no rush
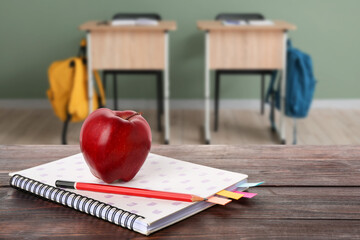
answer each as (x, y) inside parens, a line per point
(216, 100)
(159, 99)
(115, 91)
(262, 107)
(283, 93)
(207, 90)
(89, 70)
(166, 90)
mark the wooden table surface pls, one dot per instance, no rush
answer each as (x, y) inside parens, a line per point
(311, 192)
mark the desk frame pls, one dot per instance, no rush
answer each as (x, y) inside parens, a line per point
(166, 89)
(281, 131)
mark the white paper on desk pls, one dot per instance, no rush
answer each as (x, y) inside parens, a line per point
(123, 22)
(133, 22)
(234, 22)
(146, 22)
(261, 22)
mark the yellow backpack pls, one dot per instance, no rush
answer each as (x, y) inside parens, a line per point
(68, 89)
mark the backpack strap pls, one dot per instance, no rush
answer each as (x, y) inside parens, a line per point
(271, 88)
(289, 43)
(102, 99)
(271, 98)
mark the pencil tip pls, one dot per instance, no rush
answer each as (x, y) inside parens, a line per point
(198, 199)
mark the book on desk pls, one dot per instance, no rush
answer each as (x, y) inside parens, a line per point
(134, 22)
(236, 22)
(140, 214)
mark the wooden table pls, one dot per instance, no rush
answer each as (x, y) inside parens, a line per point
(311, 192)
(245, 48)
(130, 48)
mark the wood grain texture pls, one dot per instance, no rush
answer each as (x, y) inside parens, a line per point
(245, 47)
(277, 165)
(246, 50)
(237, 127)
(95, 26)
(275, 212)
(310, 192)
(128, 50)
(218, 25)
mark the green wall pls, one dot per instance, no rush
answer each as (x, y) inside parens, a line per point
(34, 33)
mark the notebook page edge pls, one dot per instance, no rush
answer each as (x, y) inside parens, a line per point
(187, 212)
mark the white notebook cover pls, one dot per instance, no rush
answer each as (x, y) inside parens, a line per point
(157, 173)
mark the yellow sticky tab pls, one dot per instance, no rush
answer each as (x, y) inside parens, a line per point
(219, 200)
(229, 194)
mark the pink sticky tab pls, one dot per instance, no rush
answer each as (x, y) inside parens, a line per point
(246, 194)
(219, 200)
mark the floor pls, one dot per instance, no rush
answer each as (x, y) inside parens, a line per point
(322, 127)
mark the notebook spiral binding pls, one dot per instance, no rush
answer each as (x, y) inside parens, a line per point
(78, 202)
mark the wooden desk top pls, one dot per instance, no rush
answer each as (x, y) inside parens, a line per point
(311, 192)
(218, 25)
(96, 26)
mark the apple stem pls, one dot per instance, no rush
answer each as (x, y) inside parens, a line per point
(132, 115)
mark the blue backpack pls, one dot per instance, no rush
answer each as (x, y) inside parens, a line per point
(300, 84)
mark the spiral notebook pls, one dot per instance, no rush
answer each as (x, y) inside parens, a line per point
(143, 215)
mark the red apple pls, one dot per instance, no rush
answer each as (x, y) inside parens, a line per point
(115, 144)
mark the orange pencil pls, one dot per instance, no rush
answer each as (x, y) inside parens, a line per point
(129, 191)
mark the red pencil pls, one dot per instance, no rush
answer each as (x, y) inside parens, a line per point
(129, 191)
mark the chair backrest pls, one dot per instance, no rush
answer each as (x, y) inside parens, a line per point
(239, 16)
(153, 16)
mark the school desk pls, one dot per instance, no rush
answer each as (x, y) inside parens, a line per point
(131, 48)
(245, 48)
(310, 192)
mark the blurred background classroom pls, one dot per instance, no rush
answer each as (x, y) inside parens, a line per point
(36, 33)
